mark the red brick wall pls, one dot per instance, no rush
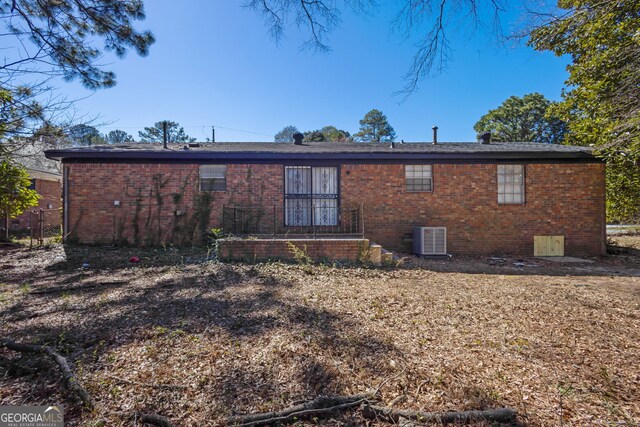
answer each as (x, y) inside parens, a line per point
(50, 194)
(159, 203)
(265, 249)
(561, 199)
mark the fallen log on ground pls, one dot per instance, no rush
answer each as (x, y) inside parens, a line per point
(69, 378)
(383, 413)
(72, 382)
(318, 407)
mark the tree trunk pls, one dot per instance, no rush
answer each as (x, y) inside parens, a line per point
(6, 223)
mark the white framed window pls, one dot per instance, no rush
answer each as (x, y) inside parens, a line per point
(213, 177)
(510, 184)
(419, 177)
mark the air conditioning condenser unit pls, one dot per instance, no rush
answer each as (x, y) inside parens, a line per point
(430, 240)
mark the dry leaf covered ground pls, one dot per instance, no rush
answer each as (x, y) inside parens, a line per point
(198, 341)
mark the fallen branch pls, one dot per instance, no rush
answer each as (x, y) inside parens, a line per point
(154, 419)
(383, 413)
(69, 378)
(74, 385)
(139, 418)
(318, 407)
(62, 289)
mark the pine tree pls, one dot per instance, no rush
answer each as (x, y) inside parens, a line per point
(118, 136)
(375, 127)
(175, 133)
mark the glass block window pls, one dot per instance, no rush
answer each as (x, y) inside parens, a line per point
(213, 178)
(418, 177)
(510, 184)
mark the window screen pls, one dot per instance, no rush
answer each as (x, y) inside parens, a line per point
(511, 184)
(418, 177)
(213, 177)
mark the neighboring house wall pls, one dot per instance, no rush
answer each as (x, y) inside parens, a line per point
(50, 192)
(162, 204)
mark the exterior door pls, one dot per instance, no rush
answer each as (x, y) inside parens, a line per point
(297, 196)
(325, 196)
(311, 196)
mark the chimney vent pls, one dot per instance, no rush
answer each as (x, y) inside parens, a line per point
(297, 138)
(164, 134)
(435, 135)
(485, 138)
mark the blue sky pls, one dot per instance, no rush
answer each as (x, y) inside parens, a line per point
(214, 63)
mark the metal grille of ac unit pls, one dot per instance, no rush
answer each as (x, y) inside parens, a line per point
(430, 240)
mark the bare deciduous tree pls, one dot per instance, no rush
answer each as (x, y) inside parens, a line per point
(430, 20)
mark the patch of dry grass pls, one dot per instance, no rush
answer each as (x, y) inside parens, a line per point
(627, 241)
(559, 344)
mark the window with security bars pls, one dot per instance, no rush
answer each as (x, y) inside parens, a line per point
(510, 184)
(213, 178)
(311, 196)
(419, 177)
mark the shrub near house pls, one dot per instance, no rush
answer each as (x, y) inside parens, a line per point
(15, 193)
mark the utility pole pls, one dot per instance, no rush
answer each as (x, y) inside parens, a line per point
(164, 133)
(213, 134)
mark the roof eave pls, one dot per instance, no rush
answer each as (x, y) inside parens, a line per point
(246, 156)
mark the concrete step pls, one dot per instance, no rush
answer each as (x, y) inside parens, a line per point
(375, 253)
(386, 256)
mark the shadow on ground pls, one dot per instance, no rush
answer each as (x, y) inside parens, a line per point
(247, 328)
(244, 338)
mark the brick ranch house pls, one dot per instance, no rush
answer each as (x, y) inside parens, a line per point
(493, 198)
(48, 184)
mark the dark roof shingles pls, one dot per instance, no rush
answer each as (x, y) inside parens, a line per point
(378, 150)
(337, 147)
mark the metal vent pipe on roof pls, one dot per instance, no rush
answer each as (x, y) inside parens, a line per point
(435, 135)
(297, 138)
(164, 134)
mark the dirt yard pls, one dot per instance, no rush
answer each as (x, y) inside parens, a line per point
(198, 341)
